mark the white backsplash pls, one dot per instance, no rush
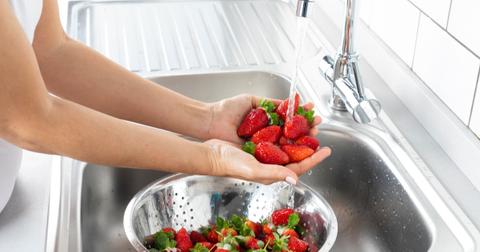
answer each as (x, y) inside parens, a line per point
(440, 41)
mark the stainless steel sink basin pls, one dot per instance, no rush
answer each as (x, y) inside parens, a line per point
(378, 193)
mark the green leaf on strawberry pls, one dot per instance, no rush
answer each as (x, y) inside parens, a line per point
(280, 244)
(249, 147)
(308, 114)
(199, 248)
(274, 119)
(164, 240)
(267, 105)
(293, 220)
(221, 223)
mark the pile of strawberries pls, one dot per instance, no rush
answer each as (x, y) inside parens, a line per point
(281, 233)
(274, 139)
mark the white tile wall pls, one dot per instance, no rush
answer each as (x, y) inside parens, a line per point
(396, 22)
(464, 23)
(440, 41)
(436, 9)
(475, 121)
(447, 67)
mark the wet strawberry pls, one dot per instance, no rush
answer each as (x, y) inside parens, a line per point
(253, 122)
(268, 134)
(206, 244)
(228, 231)
(283, 107)
(297, 153)
(267, 230)
(221, 250)
(309, 141)
(255, 227)
(212, 235)
(268, 153)
(169, 230)
(297, 245)
(183, 240)
(252, 243)
(296, 127)
(269, 239)
(197, 237)
(290, 232)
(283, 141)
(280, 217)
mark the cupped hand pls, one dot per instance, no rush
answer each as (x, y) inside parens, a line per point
(229, 160)
(227, 115)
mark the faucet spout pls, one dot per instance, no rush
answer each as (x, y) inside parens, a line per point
(342, 72)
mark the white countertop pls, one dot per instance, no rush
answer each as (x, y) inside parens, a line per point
(23, 222)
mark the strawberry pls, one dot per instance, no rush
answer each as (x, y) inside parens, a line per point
(289, 232)
(169, 230)
(297, 245)
(268, 153)
(309, 141)
(267, 229)
(269, 239)
(283, 141)
(197, 237)
(283, 107)
(268, 134)
(221, 250)
(212, 235)
(183, 240)
(228, 231)
(297, 153)
(255, 120)
(296, 127)
(206, 244)
(252, 243)
(280, 217)
(255, 227)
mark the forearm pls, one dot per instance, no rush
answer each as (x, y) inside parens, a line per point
(77, 73)
(73, 130)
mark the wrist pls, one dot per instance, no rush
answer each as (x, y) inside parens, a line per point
(215, 164)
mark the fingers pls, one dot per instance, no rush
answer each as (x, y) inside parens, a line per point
(308, 106)
(277, 173)
(317, 120)
(313, 131)
(310, 162)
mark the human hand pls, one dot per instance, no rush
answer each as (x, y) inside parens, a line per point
(229, 160)
(228, 114)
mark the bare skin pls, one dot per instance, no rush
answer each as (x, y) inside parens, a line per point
(89, 116)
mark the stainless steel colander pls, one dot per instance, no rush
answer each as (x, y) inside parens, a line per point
(193, 201)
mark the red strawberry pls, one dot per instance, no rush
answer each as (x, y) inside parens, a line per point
(269, 239)
(255, 227)
(267, 229)
(183, 240)
(268, 153)
(268, 134)
(290, 232)
(212, 235)
(252, 243)
(169, 230)
(296, 127)
(228, 231)
(280, 217)
(206, 244)
(253, 122)
(297, 153)
(197, 237)
(221, 250)
(283, 141)
(309, 141)
(283, 107)
(297, 245)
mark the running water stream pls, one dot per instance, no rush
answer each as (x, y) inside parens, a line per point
(286, 189)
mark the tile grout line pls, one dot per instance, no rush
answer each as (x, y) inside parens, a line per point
(449, 14)
(446, 31)
(474, 97)
(416, 40)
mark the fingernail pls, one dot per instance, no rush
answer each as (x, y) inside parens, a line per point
(291, 180)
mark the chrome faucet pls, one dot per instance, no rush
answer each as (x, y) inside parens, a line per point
(342, 72)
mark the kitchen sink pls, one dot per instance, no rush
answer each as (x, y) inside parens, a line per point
(378, 192)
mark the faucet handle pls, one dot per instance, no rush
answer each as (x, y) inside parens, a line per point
(366, 111)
